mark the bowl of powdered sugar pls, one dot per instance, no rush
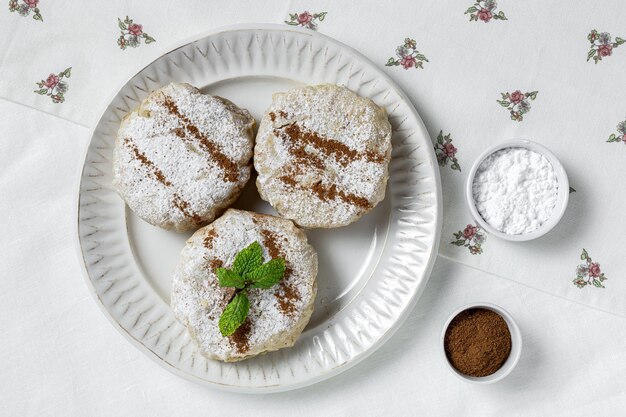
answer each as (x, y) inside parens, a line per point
(517, 190)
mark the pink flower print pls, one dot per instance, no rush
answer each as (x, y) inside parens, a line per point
(24, 7)
(516, 96)
(605, 50)
(51, 81)
(304, 18)
(469, 232)
(446, 151)
(407, 56)
(472, 237)
(485, 15)
(449, 150)
(485, 10)
(594, 269)
(589, 273)
(602, 45)
(55, 86)
(517, 103)
(131, 34)
(135, 29)
(407, 62)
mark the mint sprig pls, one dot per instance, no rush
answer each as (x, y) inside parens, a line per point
(248, 271)
(234, 314)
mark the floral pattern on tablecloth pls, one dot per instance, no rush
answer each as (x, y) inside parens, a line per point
(446, 151)
(306, 19)
(620, 136)
(517, 103)
(602, 45)
(472, 237)
(132, 34)
(485, 10)
(24, 7)
(407, 56)
(55, 86)
(588, 273)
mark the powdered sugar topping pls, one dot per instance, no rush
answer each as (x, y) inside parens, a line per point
(322, 155)
(198, 301)
(182, 156)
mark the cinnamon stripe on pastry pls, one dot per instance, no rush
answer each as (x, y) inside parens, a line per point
(231, 170)
(330, 193)
(141, 157)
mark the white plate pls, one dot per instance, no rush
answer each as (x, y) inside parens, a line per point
(371, 273)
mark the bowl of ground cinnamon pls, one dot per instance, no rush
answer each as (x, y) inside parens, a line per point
(481, 343)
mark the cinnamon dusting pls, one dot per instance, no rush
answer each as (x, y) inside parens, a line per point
(330, 193)
(287, 300)
(330, 147)
(240, 337)
(230, 168)
(215, 263)
(288, 180)
(208, 239)
(183, 206)
(286, 294)
(180, 132)
(141, 157)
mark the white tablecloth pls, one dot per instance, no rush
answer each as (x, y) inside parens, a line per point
(60, 356)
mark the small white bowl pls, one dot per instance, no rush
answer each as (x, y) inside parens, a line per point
(561, 201)
(516, 345)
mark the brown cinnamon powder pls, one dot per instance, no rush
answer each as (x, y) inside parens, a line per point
(183, 206)
(231, 170)
(477, 342)
(240, 337)
(330, 193)
(286, 295)
(215, 263)
(305, 158)
(330, 147)
(301, 137)
(208, 239)
(288, 180)
(141, 157)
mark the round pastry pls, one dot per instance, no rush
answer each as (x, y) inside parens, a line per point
(322, 154)
(276, 315)
(182, 157)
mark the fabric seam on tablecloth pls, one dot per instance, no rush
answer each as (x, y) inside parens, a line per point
(10, 100)
(450, 259)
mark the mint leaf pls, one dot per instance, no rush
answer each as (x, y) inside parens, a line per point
(234, 314)
(268, 274)
(228, 278)
(248, 259)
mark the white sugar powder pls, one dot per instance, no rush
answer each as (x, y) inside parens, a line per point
(515, 190)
